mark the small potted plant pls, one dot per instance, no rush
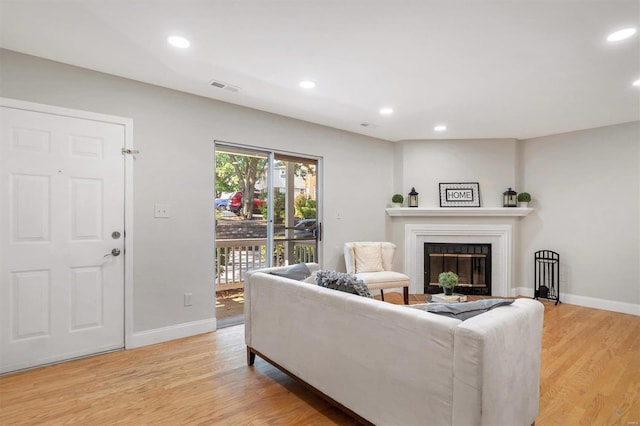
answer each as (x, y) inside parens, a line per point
(523, 199)
(397, 200)
(448, 280)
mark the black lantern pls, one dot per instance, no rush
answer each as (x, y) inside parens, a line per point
(413, 198)
(510, 198)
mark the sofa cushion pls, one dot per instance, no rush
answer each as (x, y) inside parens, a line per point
(341, 281)
(465, 310)
(297, 272)
(368, 257)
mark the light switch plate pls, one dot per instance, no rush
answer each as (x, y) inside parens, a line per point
(162, 211)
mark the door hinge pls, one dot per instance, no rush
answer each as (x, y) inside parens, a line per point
(129, 151)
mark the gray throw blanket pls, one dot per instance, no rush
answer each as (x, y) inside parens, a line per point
(463, 310)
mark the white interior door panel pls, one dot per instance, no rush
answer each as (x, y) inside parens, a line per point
(62, 190)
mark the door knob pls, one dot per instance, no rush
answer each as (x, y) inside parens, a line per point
(114, 252)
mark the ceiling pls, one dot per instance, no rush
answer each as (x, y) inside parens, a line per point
(484, 68)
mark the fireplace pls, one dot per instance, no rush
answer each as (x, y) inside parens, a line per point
(471, 262)
(499, 235)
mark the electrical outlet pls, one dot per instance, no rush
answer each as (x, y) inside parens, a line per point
(187, 299)
(162, 211)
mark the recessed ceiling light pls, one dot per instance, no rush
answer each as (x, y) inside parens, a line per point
(440, 128)
(622, 34)
(307, 84)
(178, 41)
(386, 111)
(636, 83)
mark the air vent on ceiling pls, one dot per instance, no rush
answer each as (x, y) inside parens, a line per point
(224, 86)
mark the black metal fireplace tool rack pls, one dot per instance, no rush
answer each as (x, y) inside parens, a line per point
(546, 275)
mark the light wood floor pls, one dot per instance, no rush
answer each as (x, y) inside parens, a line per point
(590, 376)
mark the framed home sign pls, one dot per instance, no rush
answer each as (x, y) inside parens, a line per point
(463, 194)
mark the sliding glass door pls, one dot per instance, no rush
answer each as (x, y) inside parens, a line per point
(267, 209)
(295, 210)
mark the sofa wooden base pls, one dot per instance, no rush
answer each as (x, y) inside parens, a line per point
(251, 358)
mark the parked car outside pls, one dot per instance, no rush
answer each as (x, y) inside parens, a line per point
(222, 200)
(221, 204)
(305, 228)
(235, 203)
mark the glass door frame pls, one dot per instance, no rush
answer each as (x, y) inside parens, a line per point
(271, 154)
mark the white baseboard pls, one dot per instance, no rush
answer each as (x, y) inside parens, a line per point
(589, 302)
(522, 291)
(164, 334)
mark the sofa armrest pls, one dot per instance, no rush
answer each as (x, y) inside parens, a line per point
(497, 366)
(247, 294)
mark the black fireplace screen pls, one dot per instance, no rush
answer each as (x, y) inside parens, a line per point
(471, 262)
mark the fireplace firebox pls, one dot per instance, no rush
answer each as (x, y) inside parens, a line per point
(471, 262)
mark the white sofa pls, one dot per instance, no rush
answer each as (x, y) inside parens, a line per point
(395, 365)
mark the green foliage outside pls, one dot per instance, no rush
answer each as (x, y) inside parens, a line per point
(221, 261)
(305, 207)
(278, 208)
(235, 172)
(226, 178)
(300, 169)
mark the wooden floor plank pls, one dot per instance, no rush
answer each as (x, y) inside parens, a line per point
(590, 375)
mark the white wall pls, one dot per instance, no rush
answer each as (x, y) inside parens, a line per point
(598, 170)
(426, 163)
(174, 132)
(491, 162)
(586, 193)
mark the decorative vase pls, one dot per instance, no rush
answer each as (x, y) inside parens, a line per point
(448, 291)
(397, 205)
(524, 204)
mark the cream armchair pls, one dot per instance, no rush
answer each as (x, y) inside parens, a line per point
(372, 262)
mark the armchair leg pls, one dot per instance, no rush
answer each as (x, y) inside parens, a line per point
(405, 293)
(382, 295)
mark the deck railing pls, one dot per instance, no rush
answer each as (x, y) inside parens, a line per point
(236, 256)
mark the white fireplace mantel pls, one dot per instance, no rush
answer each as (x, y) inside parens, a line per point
(459, 211)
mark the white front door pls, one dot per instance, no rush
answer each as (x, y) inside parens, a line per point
(61, 216)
